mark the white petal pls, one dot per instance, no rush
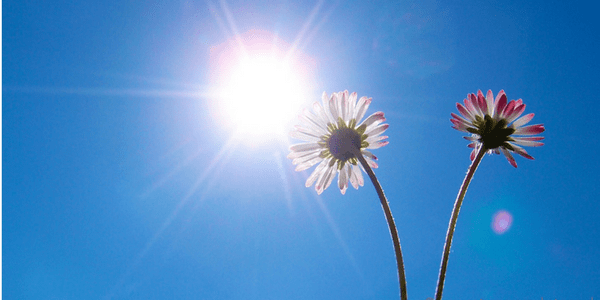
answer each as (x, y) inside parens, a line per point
(377, 138)
(325, 179)
(344, 106)
(333, 106)
(314, 122)
(304, 136)
(307, 164)
(343, 179)
(377, 145)
(306, 158)
(361, 108)
(353, 178)
(351, 105)
(368, 154)
(294, 155)
(371, 162)
(377, 130)
(316, 173)
(321, 113)
(305, 147)
(356, 170)
(373, 120)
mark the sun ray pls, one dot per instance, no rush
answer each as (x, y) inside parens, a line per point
(224, 152)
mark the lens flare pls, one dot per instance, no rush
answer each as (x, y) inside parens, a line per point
(501, 222)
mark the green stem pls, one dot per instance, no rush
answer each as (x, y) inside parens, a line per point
(391, 225)
(454, 218)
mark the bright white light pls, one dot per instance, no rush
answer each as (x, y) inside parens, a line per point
(259, 84)
(262, 95)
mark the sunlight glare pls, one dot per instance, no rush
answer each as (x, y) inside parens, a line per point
(263, 94)
(260, 84)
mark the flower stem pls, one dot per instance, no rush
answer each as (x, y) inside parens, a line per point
(454, 218)
(391, 225)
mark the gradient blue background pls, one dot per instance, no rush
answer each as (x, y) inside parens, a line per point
(119, 183)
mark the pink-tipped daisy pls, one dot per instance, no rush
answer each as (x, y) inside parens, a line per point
(493, 124)
(333, 136)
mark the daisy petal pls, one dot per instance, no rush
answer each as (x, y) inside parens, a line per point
(377, 145)
(373, 120)
(464, 112)
(343, 179)
(521, 151)
(509, 157)
(500, 104)
(523, 120)
(523, 141)
(530, 130)
(377, 130)
(361, 108)
(305, 147)
(316, 173)
(356, 170)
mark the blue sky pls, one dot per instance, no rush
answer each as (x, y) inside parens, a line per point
(124, 177)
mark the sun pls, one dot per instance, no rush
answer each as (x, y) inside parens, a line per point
(260, 88)
(263, 93)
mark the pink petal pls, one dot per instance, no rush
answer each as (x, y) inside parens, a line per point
(509, 157)
(482, 102)
(500, 104)
(517, 111)
(521, 151)
(475, 103)
(469, 106)
(489, 99)
(529, 138)
(461, 119)
(463, 111)
(529, 143)
(522, 120)
(508, 109)
(530, 130)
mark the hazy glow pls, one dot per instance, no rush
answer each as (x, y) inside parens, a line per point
(259, 88)
(501, 222)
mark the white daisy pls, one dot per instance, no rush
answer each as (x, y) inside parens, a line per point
(333, 137)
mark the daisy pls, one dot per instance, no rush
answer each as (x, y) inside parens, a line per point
(338, 140)
(334, 137)
(495, 127)
(489, 122)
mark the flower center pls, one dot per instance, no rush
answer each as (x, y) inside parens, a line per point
(343, 143)
(493, 134)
